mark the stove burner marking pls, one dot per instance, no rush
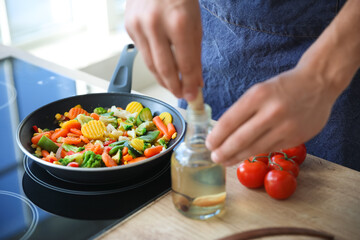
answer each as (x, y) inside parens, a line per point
(33, 209)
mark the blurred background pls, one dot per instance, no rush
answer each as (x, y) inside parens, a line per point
(86, 35)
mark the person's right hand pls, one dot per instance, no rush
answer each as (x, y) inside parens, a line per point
(168, 35)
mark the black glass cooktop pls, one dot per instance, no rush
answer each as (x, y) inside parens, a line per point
(33, 203)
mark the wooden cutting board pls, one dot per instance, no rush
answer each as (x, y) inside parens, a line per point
(327, 198)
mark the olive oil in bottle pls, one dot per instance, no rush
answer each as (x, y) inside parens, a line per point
(198, 184)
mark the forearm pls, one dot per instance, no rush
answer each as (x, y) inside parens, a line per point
(335, 55)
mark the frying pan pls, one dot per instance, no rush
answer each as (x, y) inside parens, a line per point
(119, 95)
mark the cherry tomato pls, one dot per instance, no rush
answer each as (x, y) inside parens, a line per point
(263, 157)
(73, 164)
(252, 173)
(298, 153)
(280, 184)
(108, 142)
(280, 162)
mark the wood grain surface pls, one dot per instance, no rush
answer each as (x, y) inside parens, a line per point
(327, 199)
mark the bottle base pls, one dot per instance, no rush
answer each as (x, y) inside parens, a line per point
(202, 213)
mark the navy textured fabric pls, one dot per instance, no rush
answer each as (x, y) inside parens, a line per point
(246, 42)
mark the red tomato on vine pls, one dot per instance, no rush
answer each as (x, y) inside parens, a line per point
(280, 162)
(298, 153)
(280, 184)
(252, 173)
(263, 157)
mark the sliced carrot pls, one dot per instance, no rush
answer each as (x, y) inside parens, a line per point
(35, 139)
(76, 111)
(71, 124)
(127, 157)
(95, 116)
(138, 159)
(125, 151)
(72, 135)
(45, 153)
(159, 136)
(98, 149)
(161, 126)
(59, 133)
(50, 158)
(89, 146)
(84, 139)
(63, 153)
(71, 140)
(109, 162)
(76, 131)
(171, 129)
(149, 152)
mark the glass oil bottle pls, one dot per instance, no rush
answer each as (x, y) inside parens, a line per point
(198, 184)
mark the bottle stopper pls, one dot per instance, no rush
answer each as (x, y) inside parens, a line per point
(198, 103)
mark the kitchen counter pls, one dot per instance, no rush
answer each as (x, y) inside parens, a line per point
(327, 199)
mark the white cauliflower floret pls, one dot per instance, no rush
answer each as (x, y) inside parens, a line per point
(121, 138)
(82, 119)
(112, 132)
(110, 128)
(131, 133)
(116, 134)
(108, 120)
(122, 113)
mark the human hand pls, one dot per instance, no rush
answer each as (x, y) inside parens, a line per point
(279, 113)
(168, 35)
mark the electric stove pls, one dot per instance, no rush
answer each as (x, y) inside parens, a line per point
(34, 204)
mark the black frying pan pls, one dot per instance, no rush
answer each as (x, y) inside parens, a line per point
(118, 95)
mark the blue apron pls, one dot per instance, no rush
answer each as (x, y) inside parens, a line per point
(246, 42)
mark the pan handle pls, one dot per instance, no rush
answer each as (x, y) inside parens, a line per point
(122, 77)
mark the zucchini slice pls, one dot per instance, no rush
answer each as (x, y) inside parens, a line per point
(132, 151)
(144, 115)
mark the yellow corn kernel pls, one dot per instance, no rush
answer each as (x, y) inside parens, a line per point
(134, 107)
(174, 135)
(66, 114)
(166, 118)
(94, 129)
(57, 163)
(38, 152)
(58, 116)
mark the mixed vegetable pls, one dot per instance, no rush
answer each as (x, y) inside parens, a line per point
(106, 137)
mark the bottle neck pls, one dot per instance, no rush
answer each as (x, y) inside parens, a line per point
(198, 127)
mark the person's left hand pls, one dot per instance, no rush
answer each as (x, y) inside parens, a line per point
(282, 112)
